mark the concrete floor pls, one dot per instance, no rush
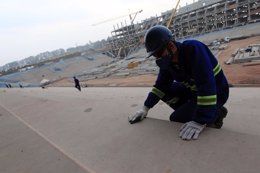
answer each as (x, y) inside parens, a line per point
(62, 130)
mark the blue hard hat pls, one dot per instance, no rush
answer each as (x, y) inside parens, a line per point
(156, 38)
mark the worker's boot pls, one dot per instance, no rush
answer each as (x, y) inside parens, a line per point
(222, 113)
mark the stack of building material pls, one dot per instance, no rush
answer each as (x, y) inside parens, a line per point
(248, 54)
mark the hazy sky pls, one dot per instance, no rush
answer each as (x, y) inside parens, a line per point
(29, 27)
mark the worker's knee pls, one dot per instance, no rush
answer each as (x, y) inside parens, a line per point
(183, 113)
(179, 118)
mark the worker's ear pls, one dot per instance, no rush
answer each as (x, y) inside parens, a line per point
(172, 49)
(171, 45)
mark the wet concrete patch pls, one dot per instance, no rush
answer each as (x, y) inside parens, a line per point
(88, 110)
(43, 100)
(134, 105)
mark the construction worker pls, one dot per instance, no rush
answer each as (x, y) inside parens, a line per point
(190, 81)
(77, 85)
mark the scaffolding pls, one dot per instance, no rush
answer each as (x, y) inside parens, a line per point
(203, 16)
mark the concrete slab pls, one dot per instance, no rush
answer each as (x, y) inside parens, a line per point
(23, 150)
(91, 128)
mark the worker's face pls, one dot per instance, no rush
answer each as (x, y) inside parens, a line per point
(166, 56)
(170, 51)
(160, 53)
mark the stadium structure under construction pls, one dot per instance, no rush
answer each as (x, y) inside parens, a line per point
(201, 17)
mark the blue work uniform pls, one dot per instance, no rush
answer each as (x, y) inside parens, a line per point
(196, 87)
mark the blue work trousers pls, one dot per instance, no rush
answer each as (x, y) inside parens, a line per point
(186, 106)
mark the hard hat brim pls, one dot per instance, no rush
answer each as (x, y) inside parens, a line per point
(151, 53)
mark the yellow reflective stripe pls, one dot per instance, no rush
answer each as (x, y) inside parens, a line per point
(207, 97)
(185, 84)
(217, 69)
(172, 101)
(206, 104)
(191, 87)
(157, 92)
(207, 100)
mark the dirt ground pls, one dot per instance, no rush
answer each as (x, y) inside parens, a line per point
(237, 74)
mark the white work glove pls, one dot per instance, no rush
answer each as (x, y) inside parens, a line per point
(191, 130)
(139, 115)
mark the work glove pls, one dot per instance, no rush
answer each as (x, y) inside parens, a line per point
(138, 116)
(191, 130)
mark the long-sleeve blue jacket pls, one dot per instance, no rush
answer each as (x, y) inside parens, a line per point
(199, 71)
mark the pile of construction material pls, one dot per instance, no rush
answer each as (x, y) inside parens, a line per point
(242, 55)
(216, 46)
(121, 68)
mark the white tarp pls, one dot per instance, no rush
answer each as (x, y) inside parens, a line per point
(44, 81)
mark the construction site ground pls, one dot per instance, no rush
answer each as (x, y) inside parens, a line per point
(237, 74)
(62, 130)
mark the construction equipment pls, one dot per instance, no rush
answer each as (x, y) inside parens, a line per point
(132, 19)
(173, 14)
(132, 65)
(118, 17)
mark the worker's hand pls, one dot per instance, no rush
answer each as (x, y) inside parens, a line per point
(191, 130)
(138, 116)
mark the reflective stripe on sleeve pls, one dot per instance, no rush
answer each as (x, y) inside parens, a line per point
(191, 87)
(217, 69)
(172, 101)
(207, 100)
(158, 92)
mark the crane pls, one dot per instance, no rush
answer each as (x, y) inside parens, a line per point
(173, 14)
(118, 17)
